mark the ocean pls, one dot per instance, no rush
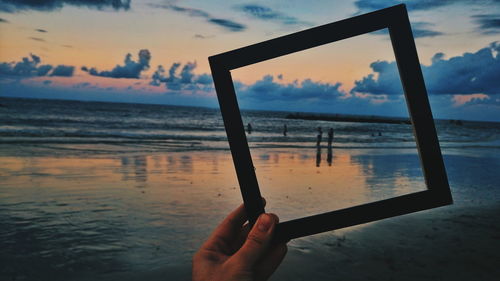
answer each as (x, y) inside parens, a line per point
(116, 191)
(144, 127)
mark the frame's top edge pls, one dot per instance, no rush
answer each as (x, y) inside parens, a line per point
(401, 6)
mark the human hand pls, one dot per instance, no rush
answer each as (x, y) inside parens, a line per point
(236, 252)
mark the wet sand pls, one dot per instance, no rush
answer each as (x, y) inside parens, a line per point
(131, 216)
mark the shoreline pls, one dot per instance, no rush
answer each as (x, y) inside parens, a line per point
(143, 214)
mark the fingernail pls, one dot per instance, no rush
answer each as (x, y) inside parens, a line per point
(264, 222)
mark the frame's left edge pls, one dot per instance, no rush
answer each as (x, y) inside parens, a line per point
(235, 131)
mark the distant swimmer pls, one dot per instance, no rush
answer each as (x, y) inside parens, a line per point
(379, 134)
(320, 136)
(249, 128)
(330, 137)
(285, 130)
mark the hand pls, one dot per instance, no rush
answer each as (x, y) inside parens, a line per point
(234, 252)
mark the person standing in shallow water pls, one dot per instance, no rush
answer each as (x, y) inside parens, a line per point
(249, 128)
(320, 136)
(285, 130)
(330, 137)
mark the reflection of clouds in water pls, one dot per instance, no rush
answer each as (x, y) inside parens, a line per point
(387, 173)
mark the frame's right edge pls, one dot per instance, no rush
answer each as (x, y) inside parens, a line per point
(418, 105)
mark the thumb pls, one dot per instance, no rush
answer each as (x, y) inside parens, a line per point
(258, 240)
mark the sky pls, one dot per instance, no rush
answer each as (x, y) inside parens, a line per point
(156, 51)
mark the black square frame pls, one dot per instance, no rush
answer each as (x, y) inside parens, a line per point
(394, 18)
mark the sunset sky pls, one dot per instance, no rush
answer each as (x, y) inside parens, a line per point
(77, 49)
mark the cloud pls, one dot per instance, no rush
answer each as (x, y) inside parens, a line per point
(416, 5)
(201, 36)
(183, 80)
(228, 24)
(27, 67)
(267, 89)
(14, 6)
(81, 85)
(41, 30)
(37, 39)
(460, 100)
(63, 70)
(267, 14)
(130, 69)
(31, 67)
(471, 73)
(420, 29)
(488, 24)
(224, 23)
(370, 5)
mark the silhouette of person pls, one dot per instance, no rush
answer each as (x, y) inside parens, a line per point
(329, 157)
(320, 136)
(318, 155)
(379, 134)
(330, 137)
(249, 128)
(285, 130)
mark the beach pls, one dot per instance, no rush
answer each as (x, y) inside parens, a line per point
(76, 204)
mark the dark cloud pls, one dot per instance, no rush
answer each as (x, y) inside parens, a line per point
(267, 89)
(200, 36)
(184, 80)
(3, 20)
(224, 23)
(488, 24)
(130, 69)
(370, 5)
(14, 6)
(268, 14)
(423, 29)
(228, 24)
(37, 39)
(419, 29)
(189, 11)
(31, 67)
(63, 70)
(471, 73)
(41, 30)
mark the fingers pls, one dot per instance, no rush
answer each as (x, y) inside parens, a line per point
(232, 223)
(242, 236)
(228, 230)
(269, 263)
(257, 241)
